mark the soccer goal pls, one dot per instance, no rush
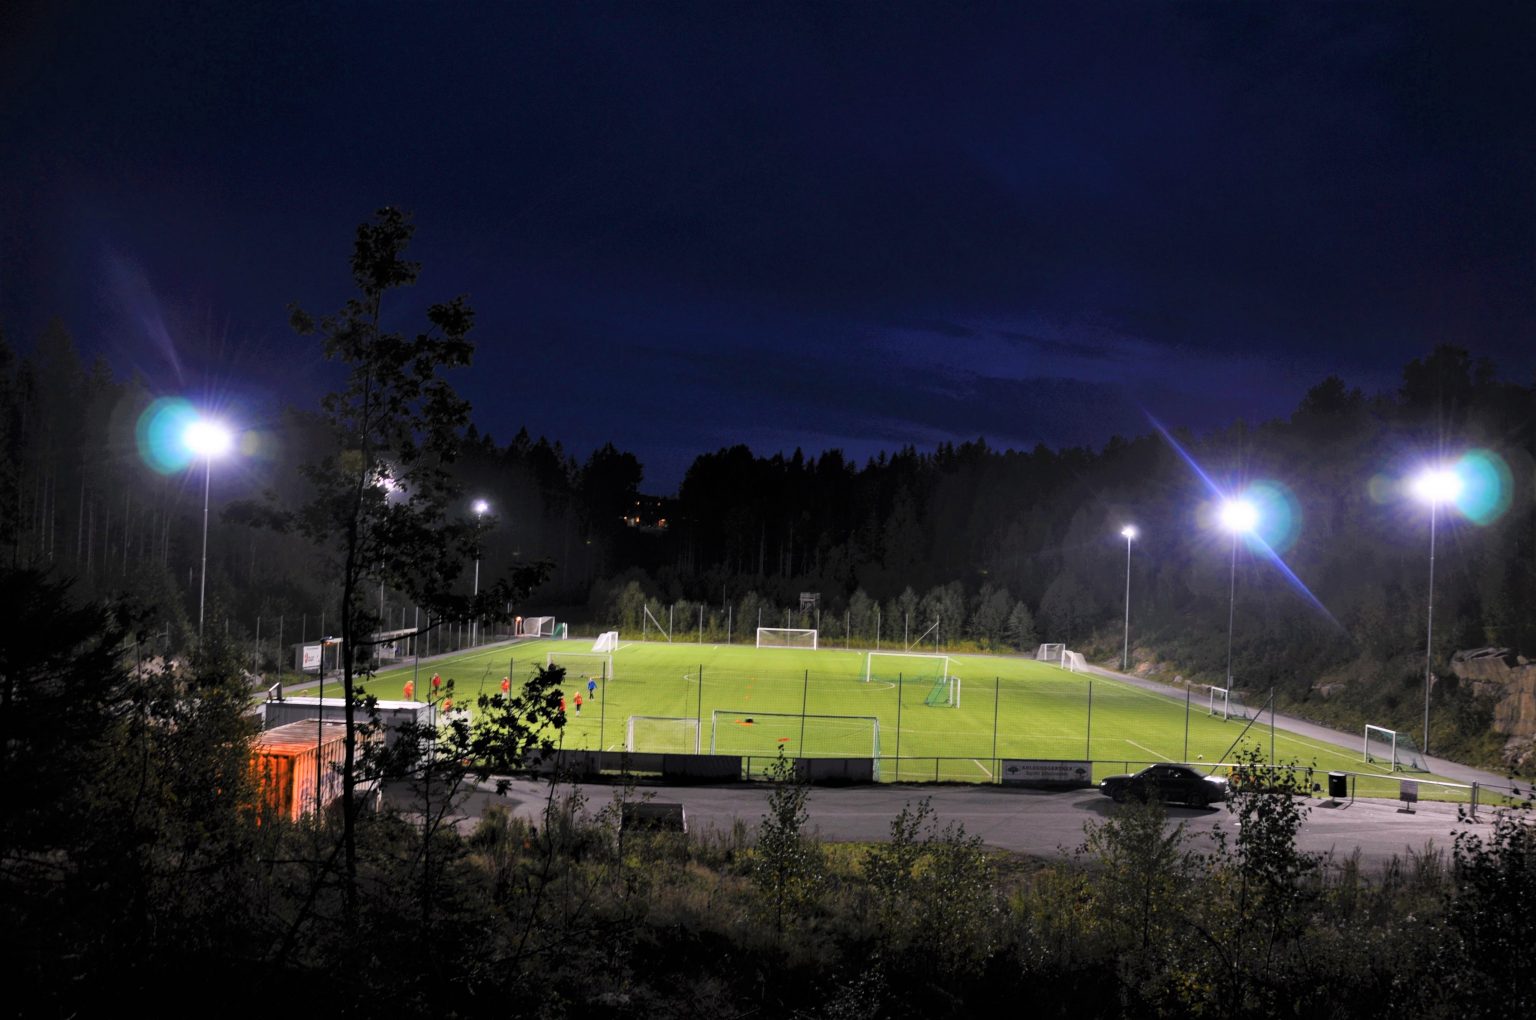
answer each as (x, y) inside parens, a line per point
(587, 665)
(608, 641)
(662, 734)
(1227, 703)
(1050, 653)
(734, 731)
(1393, 748)
(536, 626)
(785, 637)
(1073, 662)
(916, 667)
(945, 693)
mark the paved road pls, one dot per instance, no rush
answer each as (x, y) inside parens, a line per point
(1035, 822)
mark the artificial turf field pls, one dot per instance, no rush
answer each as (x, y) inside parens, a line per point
(750, 702)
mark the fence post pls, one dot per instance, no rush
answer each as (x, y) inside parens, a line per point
(805, 693)
(898, 727)
(1088, 746)
(997, 687)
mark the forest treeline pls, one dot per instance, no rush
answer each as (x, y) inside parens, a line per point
(966, 545)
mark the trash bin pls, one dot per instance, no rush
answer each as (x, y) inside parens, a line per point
(1338, 785)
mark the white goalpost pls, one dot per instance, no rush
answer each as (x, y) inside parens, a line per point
(1393, 748)
(1050, 653)
(1227, 703)
(662, 734)
(608, 641)
(536, 626)
(1073, 662)
(785, 637)
(588, 665)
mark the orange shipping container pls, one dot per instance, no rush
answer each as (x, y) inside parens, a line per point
(290, 763)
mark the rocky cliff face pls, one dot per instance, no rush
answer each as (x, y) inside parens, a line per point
(1511, 679)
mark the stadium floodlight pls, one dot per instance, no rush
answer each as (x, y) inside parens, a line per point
(1434, 486)
(1129, 534)
(1239, 517)
(208, 439)
(480, 507)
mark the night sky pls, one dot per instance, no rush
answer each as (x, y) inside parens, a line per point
(856, 225)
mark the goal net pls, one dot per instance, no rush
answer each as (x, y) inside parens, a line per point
(945, 693)
(1073, 662)
(1050, 653)
(785, 637)
(608, 641)
(1394, 749)
(662, 734)
(586, 665)
(733, 731)
(911, 667)
(536, 626)
(1228, 703)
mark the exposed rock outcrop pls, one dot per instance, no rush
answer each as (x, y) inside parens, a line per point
(1511, 679)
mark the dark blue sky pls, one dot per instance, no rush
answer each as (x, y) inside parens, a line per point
(856, 225)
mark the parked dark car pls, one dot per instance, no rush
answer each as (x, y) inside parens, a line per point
(1167, 783)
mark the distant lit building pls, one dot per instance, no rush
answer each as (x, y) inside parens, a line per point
(650, 514)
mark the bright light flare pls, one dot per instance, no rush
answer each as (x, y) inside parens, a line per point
(1129, 532)
(1437, 485)
(208, 438)
(481, 506)
(1239, 516)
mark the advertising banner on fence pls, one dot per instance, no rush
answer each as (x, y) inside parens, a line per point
(1043, 772)
(311, 660)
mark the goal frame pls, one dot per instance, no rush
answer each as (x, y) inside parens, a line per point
(869, 659)
(874, 724)
(945, 693)
(1051, 652)
(1226, 703)
(1073, 662)
(1400, 747)
(789, 630)
(629, 730)
(536, 626)
(563, 659)
(608, 641)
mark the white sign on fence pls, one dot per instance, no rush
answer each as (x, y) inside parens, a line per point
(1039, 770)
(311, 660)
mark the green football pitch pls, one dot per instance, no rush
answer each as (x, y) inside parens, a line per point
(746, 701)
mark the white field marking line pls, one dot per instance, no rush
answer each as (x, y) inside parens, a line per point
(878, 685)
(982, 767)
(1145, 748)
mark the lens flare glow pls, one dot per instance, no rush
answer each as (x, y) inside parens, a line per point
(1437, 485)
(160, 434)
(1279, 514)
(1264, 549)
(1487, 486)
(481, 506)
(1128, 532)
(208, 439)
(1239, 516)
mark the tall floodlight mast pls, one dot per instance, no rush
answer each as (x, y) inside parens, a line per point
(1435, 486)
(1129, 533)
(1239, 517)
(207, 439)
